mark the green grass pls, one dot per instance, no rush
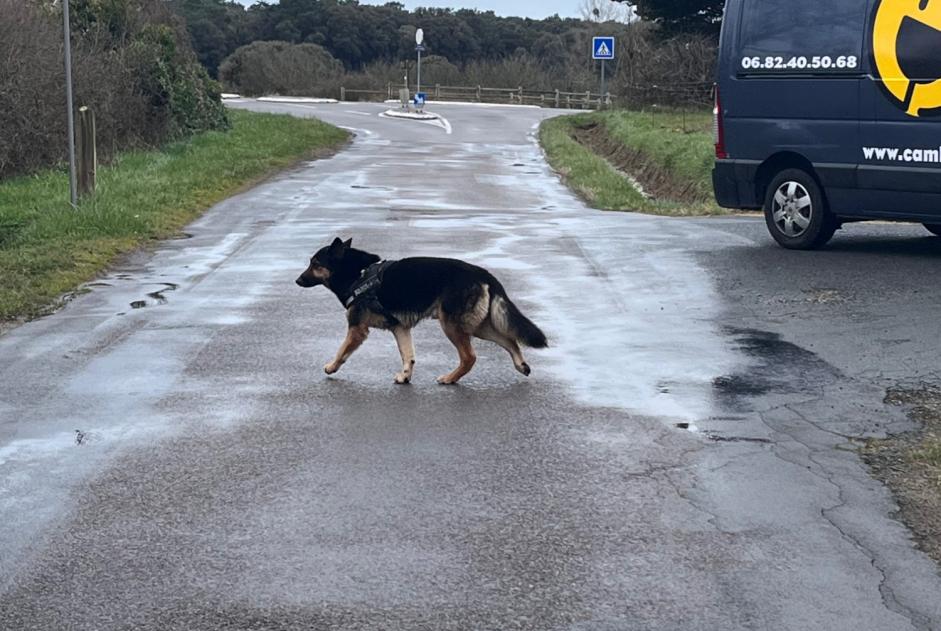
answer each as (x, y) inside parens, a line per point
(678, 145)
(47, 248)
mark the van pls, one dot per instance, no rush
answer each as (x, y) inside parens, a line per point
(829, 112)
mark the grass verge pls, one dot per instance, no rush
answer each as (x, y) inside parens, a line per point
(47, 248)
(910, 464)
(607, 157)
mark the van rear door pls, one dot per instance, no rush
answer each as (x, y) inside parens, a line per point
(901, 133)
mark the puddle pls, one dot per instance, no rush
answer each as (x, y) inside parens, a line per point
(776, 367)
(156, 298)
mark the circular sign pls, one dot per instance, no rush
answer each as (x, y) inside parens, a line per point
(906, 38)
(419, 36)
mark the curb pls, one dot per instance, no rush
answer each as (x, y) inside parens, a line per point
(295, 99)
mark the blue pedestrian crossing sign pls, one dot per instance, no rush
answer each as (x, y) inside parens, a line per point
(602, 48)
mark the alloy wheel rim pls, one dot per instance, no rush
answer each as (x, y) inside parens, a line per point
(792, 209)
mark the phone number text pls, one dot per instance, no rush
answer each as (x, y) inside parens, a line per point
(818, 62)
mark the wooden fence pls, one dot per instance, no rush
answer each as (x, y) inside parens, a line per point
(481, 94)
(691, 96)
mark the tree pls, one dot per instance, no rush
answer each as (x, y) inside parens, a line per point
(550, 50)
(607, 11)
(684, 16)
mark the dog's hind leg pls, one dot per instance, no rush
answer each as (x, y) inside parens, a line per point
(462, 341)
(355, 337)
(403, 337)
(487, 332)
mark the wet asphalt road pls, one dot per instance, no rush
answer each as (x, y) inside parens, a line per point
(186, 464)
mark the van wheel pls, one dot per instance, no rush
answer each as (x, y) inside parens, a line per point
(796, 211)
(933, 228)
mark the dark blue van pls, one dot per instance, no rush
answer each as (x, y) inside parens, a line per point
(830, 112)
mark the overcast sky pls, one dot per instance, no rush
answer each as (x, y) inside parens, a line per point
(527, 8)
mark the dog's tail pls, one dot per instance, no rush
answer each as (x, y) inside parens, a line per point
(510, 321)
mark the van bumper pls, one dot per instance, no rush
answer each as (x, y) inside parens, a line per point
(734, 184)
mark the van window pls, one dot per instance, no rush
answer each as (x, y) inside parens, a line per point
(802, 36)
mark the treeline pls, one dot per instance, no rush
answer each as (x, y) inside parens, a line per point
(310, 47)
(358, 35)
(133, 65)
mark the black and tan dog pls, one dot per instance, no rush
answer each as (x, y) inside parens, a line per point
(396, 295)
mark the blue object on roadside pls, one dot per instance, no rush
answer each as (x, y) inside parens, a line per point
(420, 98)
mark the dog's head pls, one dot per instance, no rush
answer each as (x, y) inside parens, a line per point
(324, 264)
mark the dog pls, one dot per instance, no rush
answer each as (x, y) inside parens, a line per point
(395, 296)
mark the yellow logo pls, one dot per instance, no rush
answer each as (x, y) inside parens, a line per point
(906, 48)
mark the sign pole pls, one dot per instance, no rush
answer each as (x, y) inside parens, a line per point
(419, 46)
(602, 49)
(73, 186)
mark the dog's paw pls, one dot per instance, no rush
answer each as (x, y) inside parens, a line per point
(331, 369)
(446, 380)
(525, 369)
(403, 379)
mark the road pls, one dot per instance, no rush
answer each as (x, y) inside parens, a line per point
(683, 457)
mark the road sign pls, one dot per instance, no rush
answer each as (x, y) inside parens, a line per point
(419, 37)
(420, 98)
(602, 48)
(420, 48)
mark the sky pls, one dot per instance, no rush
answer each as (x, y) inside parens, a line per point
(527, 8)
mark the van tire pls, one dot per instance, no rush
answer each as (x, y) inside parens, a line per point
(933, 228)
(797, 213)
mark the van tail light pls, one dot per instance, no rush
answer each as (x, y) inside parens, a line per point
(718, 128)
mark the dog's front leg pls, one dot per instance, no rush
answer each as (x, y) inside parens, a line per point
(403, 338)
(355, 337)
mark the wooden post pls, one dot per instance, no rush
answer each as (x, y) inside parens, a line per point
(437, 91)
(588, 100)
(87, 152)
(557, 101)
(342, 94)
(479, 94)
(521, 95)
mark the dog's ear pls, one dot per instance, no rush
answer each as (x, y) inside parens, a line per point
(338, 248)
(348, 244)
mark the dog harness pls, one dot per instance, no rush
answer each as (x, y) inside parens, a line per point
(364, 291)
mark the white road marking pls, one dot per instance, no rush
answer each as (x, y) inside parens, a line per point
(358, 113)
(441, 122)
(356, 130)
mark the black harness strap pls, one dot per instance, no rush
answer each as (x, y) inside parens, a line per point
(364, 291)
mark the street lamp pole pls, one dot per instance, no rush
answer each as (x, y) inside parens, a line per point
(73, 186)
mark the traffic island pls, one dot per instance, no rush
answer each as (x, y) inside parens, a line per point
(407, 115)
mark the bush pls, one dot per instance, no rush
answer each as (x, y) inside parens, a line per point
(178, 90)
(132, 65)
(281, 68)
